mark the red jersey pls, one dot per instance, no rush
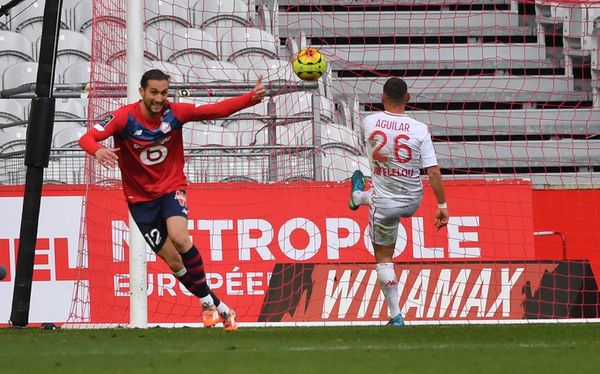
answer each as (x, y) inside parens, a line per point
(151, 148)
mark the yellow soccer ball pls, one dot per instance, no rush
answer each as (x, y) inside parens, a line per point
(309, 64)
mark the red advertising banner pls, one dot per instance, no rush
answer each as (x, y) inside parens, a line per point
(296, 253)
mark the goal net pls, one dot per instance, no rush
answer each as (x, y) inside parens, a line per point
(509, 90)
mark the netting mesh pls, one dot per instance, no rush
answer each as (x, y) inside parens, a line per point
(509, 90)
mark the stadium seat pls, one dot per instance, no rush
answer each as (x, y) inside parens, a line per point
(202, 168)
(106, 18)
(176, 76)
(339, 163)
(11, 111)
(78, 73)
(73, 48)
(12, 139)
(297, 103)
(272, 70)
(68, 137)
(215, 71)
(69, 108)
(14, 48)
(28, 17)
(424, 89)
(19, 74)
(117, 54)
(301, 133)
(166, 16)
(188, 46)
(574, 121)
(248, 41)
(199, 135)
(220, 15)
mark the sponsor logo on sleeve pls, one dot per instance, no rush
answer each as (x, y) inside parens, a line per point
(105, 121)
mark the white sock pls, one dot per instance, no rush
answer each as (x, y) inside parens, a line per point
(361, 197)
(207, 300)
(389, 285)
(223, 308)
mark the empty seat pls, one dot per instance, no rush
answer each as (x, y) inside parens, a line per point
(12, 139)
(78, 73)
(437, 56)
(82, 73)
(528, 89)
(28, 17)
(117, 51)
(68, 137)
(301, 133)
(14, 48)
(73, 48)
(199, 135)
(175, 75)
(188, 46)
(220, 15)
(297, 103)
(69, 108)
(272, 70)
(215, 71)
(11, 111)
(518, 154)
(248, 42)
(165, 16)
(19, 74)
(106, 17)
(338, 163)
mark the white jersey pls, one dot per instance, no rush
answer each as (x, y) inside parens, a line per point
(397, 147)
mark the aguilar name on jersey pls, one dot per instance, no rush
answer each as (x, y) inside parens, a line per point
(397, 147)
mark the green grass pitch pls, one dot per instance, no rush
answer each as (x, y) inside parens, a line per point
(534, 348)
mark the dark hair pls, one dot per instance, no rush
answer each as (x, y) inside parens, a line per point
(395, 89)
(155, 75)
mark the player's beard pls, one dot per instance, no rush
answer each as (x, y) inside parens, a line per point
(154, 108)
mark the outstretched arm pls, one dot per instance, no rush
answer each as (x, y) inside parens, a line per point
(220, 109)
(437, 185)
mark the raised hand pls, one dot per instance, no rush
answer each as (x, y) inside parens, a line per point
(258, 91)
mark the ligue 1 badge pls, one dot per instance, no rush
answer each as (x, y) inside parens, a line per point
(165, 127)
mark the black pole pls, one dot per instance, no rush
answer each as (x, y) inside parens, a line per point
(37, 153)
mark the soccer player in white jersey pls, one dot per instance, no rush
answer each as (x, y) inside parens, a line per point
(397, 147)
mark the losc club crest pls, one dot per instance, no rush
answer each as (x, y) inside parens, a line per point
(165, 127)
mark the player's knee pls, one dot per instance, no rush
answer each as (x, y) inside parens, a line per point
(181, 241)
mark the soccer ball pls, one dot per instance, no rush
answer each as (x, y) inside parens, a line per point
(309, 64)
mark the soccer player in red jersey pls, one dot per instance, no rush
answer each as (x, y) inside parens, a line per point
(149, 152)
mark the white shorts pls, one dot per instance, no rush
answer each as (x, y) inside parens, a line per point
(384, 221)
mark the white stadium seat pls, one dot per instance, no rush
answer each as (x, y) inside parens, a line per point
(11, 111)
(28, 17)
(248, 41)
(220, 15)
(19, 74)
(14, 48)
(215, 71)
(187, 43)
